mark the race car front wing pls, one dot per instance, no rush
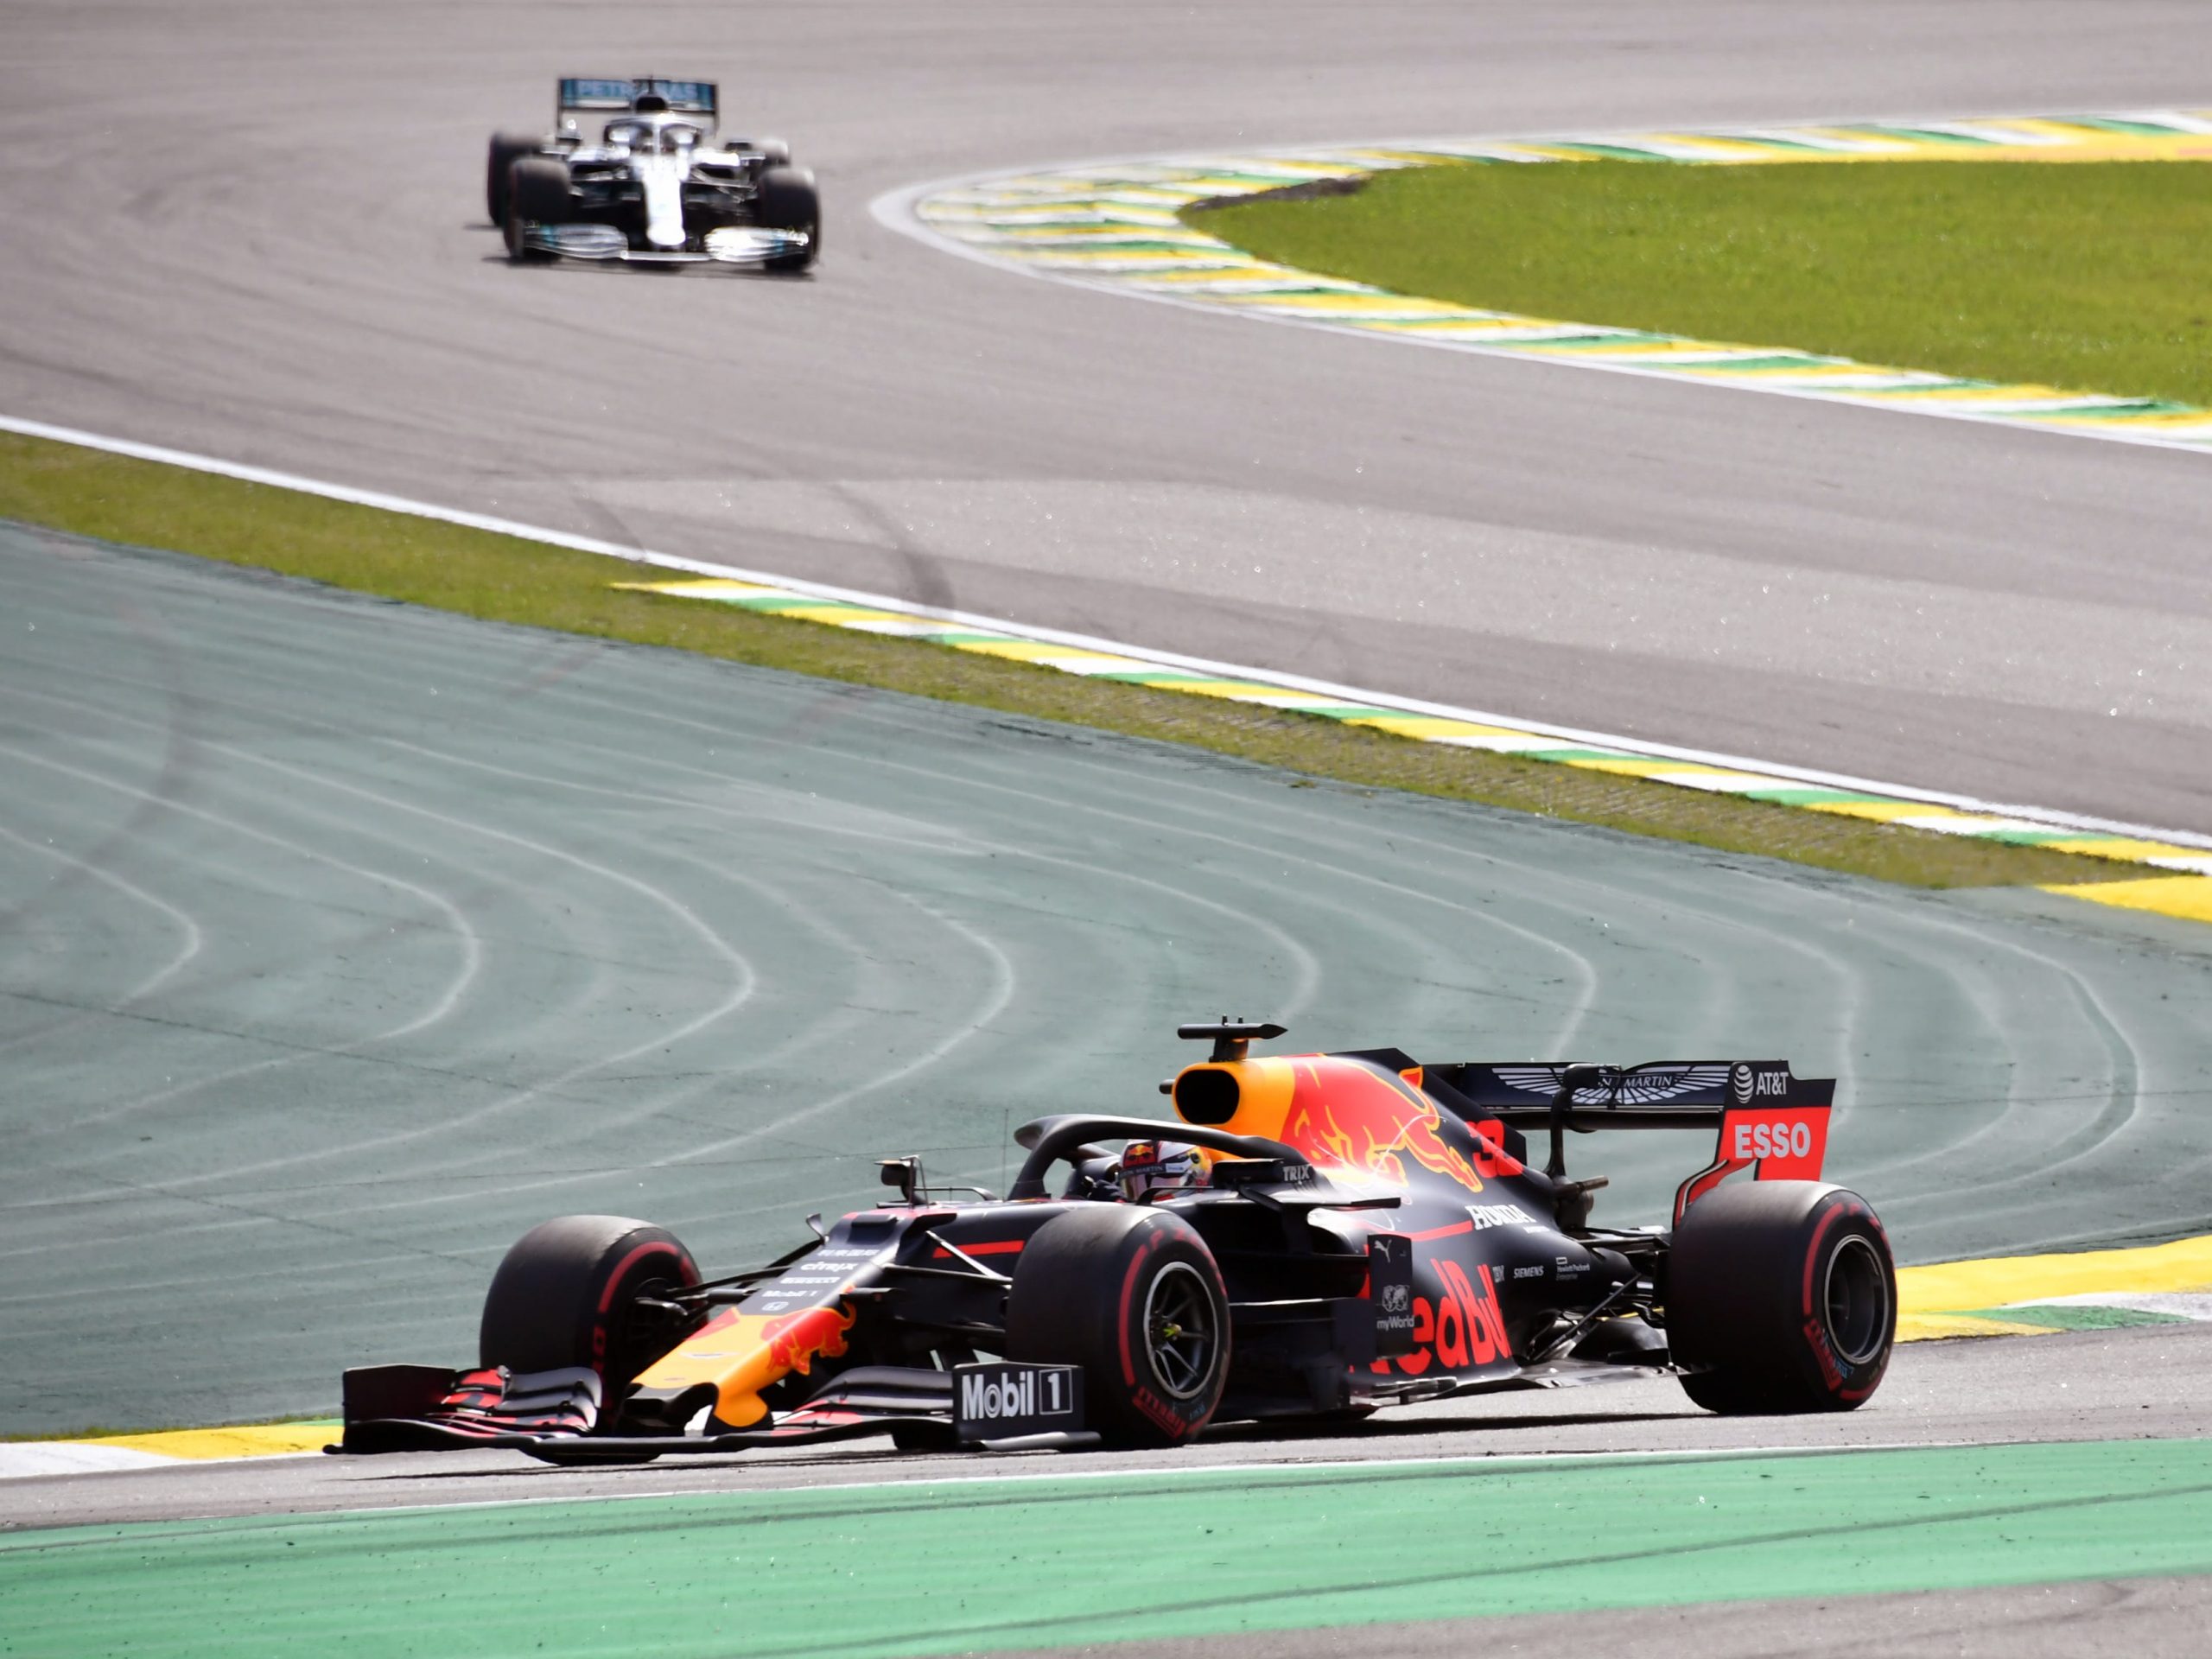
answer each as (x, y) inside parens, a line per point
(991, 1405)
(732, 245)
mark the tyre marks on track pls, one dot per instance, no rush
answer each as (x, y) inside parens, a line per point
(484, 941)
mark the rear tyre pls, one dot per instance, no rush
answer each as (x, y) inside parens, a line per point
(777, 150)
(789, 202)
(1785, 1294)
(537, 193)
(1133, 1297)
(507, 148)
(565, 1295)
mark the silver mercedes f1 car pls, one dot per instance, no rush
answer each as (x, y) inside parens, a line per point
(656, 184)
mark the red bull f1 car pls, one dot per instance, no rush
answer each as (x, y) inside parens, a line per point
(637, 171)
(1310, 1235)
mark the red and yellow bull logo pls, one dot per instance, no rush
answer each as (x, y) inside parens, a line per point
(795, 1341)
(1365, 1120)
(1348, 1115)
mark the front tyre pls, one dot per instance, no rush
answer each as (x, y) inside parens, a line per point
(537, 193)
(1785, 1294)
(566, 1295)
(788, 201)
(1133, 1297)
(507, 148)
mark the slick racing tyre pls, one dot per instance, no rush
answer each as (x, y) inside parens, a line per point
(789, 202)
(1133, 1296)
(777, 151)
(1785, 1294)
(564, 1296)
(537, 193)
(507, 148)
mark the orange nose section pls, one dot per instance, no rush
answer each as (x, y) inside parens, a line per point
(743, 1353)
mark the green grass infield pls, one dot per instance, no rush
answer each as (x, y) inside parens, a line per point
(2088, 276)
(476, 573)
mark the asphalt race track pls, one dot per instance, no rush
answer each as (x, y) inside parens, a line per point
(2061, 1574)
(257, 235)
(1999, 1393)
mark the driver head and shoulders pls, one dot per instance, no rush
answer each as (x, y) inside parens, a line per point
(1145, 1173)
(1152, 1170)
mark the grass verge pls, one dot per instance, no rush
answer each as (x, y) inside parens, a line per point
(501, 578)
(2088, 275)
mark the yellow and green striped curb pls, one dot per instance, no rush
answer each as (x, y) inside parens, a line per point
(2004, 1296)
(2183, 889)
(2036, 1295)
(1116, 226)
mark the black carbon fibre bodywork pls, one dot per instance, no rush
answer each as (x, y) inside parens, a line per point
(1379, 1233)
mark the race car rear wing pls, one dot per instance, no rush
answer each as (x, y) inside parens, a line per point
(580, 94)
(1656, 1095)
(1768, 1119)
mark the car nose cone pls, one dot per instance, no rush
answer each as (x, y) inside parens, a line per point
(663, 206)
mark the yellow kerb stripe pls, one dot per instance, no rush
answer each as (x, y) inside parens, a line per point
(1627, 768)
(1018, 650)
(1431, 725)
(2185, 1265)
(2121, 846)
(255, 1440)
(2188, 897)
(704, 587)
(1879, 811)
(1932, 1327)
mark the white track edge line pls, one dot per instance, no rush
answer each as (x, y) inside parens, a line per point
(388, 503)
(1511, 1463)
(1578, 134)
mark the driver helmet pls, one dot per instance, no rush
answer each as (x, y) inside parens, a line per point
(1155, 1169)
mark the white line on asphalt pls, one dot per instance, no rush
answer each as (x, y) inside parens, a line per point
(1519, 1463)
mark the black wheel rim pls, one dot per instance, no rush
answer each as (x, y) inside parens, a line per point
(1856, 1297)
(639, 1336)
(1179, 1331)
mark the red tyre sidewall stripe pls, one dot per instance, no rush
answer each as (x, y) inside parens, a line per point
(1846, 1210)
(598, 1332)
(1881, 1367)
(1154, 1237)
(1835, 1212)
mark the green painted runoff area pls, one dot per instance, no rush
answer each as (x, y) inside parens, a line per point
(938, 1567)
(2085, 275)
(351, 940)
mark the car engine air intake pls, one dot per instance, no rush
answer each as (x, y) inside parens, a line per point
(1206, 1094)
